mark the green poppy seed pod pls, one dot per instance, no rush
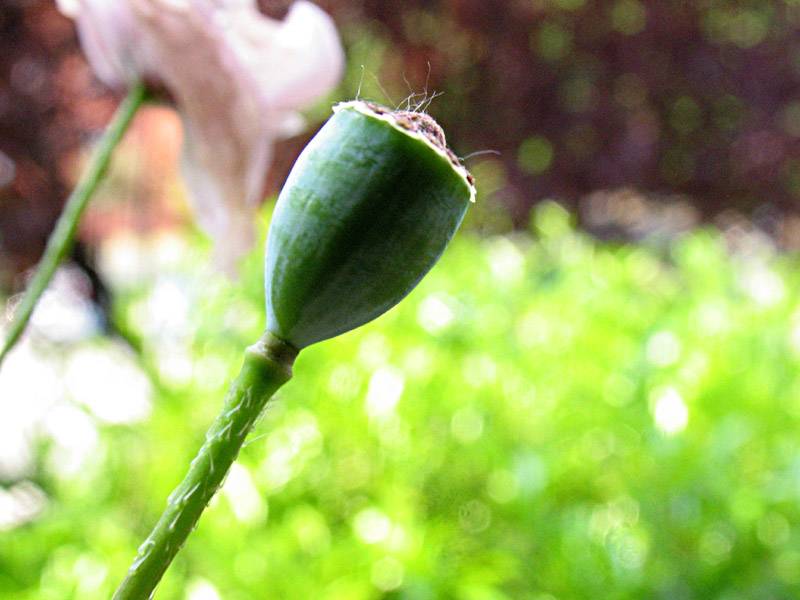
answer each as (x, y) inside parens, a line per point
(367, 210)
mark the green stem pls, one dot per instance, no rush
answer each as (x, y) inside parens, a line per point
(267, 366)
(63, 236)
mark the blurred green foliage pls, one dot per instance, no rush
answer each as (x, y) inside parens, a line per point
(545, 417)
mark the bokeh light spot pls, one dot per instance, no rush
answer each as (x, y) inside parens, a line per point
(436, 312)
(663, 348)
(200, 589)
(715, 546)
(530, 470)
(552, 42)
(502, 486)
(670, 413)
(344, 380)
(629, 17)
(748, 28)
(467, 425)
(535, 155)
(685, 115)
(773, 529)
(474, 516)
(311, 529)
(506, 260)
(244, 498)
(372, 525)
(384, 391)
(490, 177)
(569, 4)
(387, 574)
(20, 504)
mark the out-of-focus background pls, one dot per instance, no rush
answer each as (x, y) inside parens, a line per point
(595, 394)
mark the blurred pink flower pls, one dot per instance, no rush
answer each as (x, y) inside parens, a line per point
(237, 79)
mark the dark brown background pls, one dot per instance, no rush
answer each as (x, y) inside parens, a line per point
(662, 99)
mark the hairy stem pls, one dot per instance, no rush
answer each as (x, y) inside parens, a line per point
(63, 236)
(267, 366)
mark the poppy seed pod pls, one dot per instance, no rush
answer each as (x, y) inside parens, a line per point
(367, 210)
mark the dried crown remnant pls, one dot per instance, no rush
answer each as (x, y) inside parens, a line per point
(416, 123)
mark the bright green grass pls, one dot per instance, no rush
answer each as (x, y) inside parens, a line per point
(573, 420)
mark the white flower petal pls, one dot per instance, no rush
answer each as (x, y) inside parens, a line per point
(237, 78)
(106, 34)
(294, 63)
